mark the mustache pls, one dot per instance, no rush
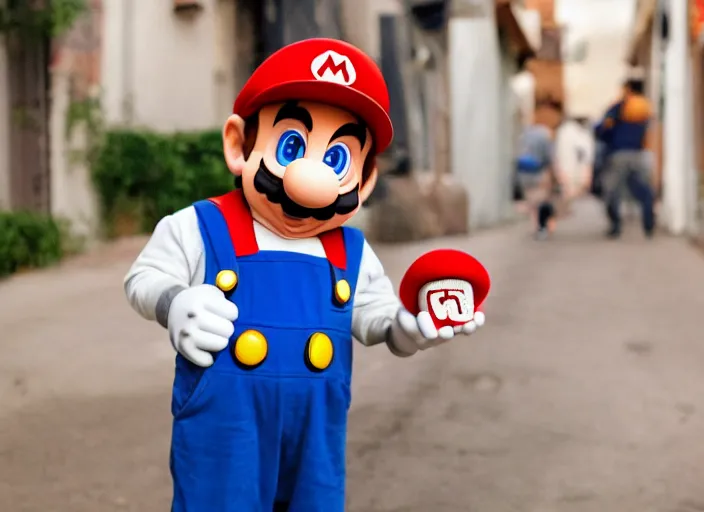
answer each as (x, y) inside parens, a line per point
(265, 182)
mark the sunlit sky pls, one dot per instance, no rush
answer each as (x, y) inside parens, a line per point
(595, 15)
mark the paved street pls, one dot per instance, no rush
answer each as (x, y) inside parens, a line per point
(584, 392)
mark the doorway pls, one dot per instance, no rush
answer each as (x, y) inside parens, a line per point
(29, 89)
(699, 115)
(250, 45)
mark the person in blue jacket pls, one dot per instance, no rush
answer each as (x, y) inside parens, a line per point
(623, 132)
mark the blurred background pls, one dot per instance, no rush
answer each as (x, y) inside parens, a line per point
(584, 391)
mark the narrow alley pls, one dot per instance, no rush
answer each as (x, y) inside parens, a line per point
(584, 392)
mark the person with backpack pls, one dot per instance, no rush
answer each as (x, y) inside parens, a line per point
(623, 131)
(574, 156)
(536, 175)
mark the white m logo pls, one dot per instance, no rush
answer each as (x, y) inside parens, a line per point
(330, 66)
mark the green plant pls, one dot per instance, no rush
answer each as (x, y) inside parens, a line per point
(147, 175)
(71, 242)
(64, 14)
(28, 240)
(41, 20)
(86, 113)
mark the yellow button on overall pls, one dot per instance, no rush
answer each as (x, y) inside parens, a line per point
(226, 280)
(251, 348)
(319, 351)
(342, 291)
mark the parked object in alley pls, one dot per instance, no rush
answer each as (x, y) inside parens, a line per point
(450, 286)
(262, 289)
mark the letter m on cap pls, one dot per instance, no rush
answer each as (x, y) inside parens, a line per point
(330, 66)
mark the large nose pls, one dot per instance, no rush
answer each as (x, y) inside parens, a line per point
(311, 184)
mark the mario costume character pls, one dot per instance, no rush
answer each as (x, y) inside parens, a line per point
(262, 289)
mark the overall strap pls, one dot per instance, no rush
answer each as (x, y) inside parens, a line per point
(334, 246)
(354, 248)
(219, 250)
(238, 218)
(343, 250)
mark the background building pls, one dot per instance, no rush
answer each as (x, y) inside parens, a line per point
(548, 67)
(485, 42)
(666, 45)
(176, 66)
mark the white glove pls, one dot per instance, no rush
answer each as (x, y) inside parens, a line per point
(412, 333)
(200, 322)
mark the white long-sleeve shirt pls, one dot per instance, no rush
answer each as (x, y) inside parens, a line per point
(174, 257)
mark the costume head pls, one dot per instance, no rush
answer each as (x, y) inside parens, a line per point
(304, 134)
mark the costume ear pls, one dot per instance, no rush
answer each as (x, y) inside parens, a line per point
(233, 144)
(368, 186)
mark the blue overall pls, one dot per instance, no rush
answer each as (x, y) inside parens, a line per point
(271, 437)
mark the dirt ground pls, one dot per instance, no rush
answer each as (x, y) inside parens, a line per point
(584, 392)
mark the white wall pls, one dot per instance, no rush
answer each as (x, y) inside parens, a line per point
(4, 129)
(475, 99)
(678, 170)
(159, 70)
(591, 85)
(523, 85)
(510, 125)
(162, 69)
(360, 20)
(72, 194)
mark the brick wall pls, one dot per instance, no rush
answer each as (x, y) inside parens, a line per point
(78, 53)
(75, 72)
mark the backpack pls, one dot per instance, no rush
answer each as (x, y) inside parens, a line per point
(529, 163)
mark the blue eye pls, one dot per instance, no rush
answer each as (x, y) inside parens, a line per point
(291, 147)
(338, 158)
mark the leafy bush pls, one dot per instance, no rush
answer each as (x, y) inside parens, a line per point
(146, 176)
(28, 240)
(41, 19)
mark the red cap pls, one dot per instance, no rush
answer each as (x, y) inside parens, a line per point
(324, 70)
(443, 264)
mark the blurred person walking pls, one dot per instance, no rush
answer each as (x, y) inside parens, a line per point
(575, 153)
(536, 171)
(623, 132)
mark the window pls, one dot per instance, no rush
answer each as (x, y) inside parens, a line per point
(187, 5)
